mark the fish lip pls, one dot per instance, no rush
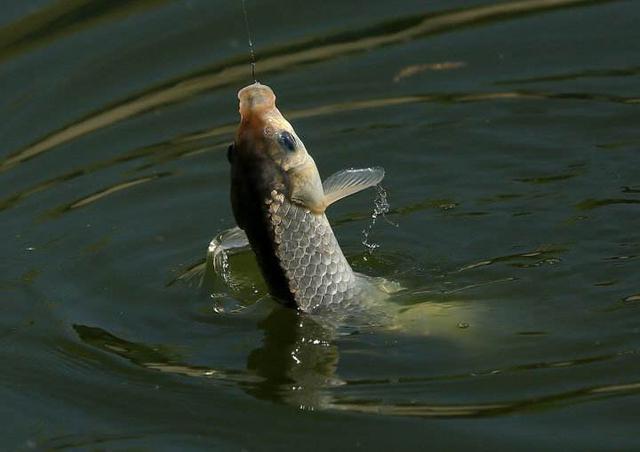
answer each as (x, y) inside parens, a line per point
(255, 98)
(260, 124)
(260, 119)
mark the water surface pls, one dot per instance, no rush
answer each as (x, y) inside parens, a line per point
(509, 135)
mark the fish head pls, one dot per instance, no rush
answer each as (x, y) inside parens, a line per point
(263, 127)
(267, 146)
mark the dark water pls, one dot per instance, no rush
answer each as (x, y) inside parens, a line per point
(509, 133)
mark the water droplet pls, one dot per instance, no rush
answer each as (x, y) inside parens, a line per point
(380, 207)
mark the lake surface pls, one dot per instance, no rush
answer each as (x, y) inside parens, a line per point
(509, 132)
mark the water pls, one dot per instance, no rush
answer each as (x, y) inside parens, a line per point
(509, 135)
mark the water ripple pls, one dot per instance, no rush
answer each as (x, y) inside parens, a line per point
(313, 51)
(594, 73)
(544, 255)
(590, 204)
(61, 19)
(487, 409)
(324, 398)
(100, 194)
(191, 144)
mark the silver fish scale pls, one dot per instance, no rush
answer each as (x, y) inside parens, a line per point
(318, 274)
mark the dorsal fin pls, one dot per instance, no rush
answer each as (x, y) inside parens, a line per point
(350, 181)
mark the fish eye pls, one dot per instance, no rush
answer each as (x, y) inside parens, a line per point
(287, 141)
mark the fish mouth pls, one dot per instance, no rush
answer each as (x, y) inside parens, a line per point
(255, 99)
(260, 119)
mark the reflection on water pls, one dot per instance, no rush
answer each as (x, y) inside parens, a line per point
(297, 360)
(151, 357)
(296, 363)
(415, 69)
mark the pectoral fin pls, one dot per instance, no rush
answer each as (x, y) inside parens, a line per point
(350, 181)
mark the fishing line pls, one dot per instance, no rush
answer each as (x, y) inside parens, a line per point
(251, 52)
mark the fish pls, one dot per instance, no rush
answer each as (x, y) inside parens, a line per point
(279, 202)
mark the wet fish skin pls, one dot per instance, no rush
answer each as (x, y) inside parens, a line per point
(252, 178)
(278, 199)
(319, 275)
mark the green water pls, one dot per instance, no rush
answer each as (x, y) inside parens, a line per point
(509, 135)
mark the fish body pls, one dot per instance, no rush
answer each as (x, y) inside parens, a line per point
(279, 200)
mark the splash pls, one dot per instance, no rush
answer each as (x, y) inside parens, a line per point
(381, 206)
(221, 247)
(222, 268)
